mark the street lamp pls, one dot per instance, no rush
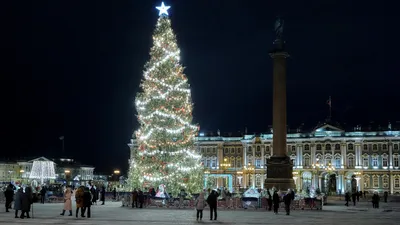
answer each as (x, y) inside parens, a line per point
(225, 166)
(250, 169)
(10, 172)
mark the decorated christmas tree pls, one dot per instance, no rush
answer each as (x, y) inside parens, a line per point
(165, 153)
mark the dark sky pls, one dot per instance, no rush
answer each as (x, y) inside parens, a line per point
(78, 65)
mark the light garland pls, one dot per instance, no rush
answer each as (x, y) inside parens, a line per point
(165, 152)
(42, 170)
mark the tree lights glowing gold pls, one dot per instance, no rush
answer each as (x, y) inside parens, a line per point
(166, 153)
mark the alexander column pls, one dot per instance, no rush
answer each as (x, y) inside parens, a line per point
(279, 166)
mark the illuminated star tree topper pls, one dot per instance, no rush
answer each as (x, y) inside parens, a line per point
(163, 9)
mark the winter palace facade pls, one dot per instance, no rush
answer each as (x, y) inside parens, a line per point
(327, 158)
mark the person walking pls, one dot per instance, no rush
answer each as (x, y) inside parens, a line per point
(276, 201)
(347, 198)
(200, 204)
(385, 196)
(212, 201)
(182, 196)
(17, 201)
(375, 200)
(9, 195)
(134, 198)
(67, 202)
(269, 200)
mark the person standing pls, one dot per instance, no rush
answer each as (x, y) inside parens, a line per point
(134, 198)
(347, 198)
(79, 201)
(385, 196)
(114, 194)
(182, 196)
(375, 201)
(276, 201)
(200, 204)
(67, 202)
(353, 197)
(17, 201)
(9, 195)
(93, 192)
(26, 202)
(287, 199)
(87, 202)
(140, 198)
(43, 194)
(103, 195)
(212, 201)
(269, 200)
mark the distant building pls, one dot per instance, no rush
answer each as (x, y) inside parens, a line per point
(63, 171)
(327, 157)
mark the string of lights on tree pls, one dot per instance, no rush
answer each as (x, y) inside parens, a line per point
(166, 153)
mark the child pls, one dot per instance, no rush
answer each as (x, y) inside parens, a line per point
(200, 204)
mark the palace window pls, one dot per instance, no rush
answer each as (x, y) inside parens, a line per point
(365, 161)
(306, 147)
(337, 147)
(250, 150)
(306, 161)
(396, 161)
(232, 161)
(232, 151)
(384, 146)
(350, 161)
(396, 183)
(337, 162)
(396, 147)
(365, 147)
(238, 162)
(258, 149)
(375, 181)
(385, 181)
(384, 161)
(374, 147)
(258, 163)
(267, 148)
(327, 147)
(351, 147)
(319, 147)
(258, 180)
(213, 163)
(293, 148)
(366, 182)
(375, 161)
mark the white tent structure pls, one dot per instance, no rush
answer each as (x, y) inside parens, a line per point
(42, 169)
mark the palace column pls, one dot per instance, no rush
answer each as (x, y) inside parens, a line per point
(280, 168)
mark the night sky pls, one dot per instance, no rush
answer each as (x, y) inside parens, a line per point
(73, 68)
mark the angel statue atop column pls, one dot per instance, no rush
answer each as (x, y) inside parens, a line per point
(279, 28)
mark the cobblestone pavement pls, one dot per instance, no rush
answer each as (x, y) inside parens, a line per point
(113, 213)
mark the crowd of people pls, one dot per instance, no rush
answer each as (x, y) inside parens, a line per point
(21, 198)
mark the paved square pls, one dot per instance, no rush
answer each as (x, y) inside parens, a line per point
(113, 213)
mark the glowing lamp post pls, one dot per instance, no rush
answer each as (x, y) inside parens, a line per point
(250, 169)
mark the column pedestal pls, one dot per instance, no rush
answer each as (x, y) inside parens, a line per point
(279, 173)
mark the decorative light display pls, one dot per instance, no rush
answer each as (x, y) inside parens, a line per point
(163, 9)
(42, 170)
(165, 154)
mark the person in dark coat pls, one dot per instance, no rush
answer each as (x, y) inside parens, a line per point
(140, 198)
(353, 197)
(87, 202)
(276, 201)
(43, 194)
(114, 194)
(134, 198)
(26, 202)
(93, 192)
(17, 202)
(385, 196)
(287, 199)
(212, 201)
(375, 201)
(9, 195)
(269, 200)
(347, 198)
(358, 196)
(103, 195)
